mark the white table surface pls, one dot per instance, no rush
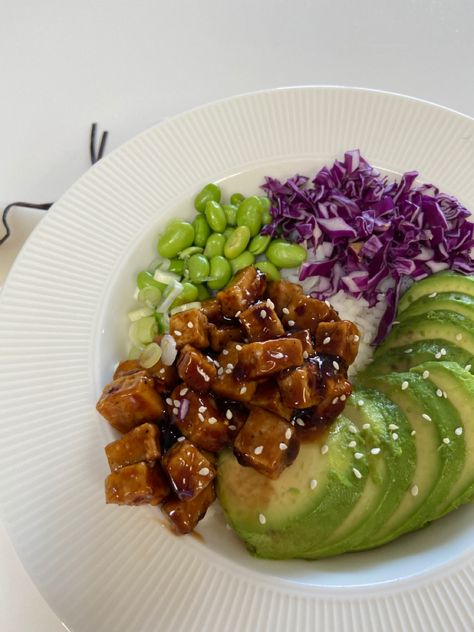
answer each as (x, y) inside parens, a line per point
(129, 64)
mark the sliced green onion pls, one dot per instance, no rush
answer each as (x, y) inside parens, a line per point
(145, 279)
(189, 252)
(175, 289)
(143, 331)
(150, 296)
(150, 355)
(185, 307)
(141, 312)
(157, 263)
(169, 351)
(163, 323)
(135, 352)
(164, 277)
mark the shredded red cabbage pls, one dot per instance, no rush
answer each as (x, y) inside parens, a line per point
(367, 234)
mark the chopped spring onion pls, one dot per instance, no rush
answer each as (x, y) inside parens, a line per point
(174, 290)
(185, 307)
(149, 296)
(163, 322)
(135, 353)
(144, 279)
(156, 263)
(167, 278)
(169, 351)
(150, 355)
(141, 312)
(143, 331)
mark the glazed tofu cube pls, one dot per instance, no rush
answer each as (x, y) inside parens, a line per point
(304, 335)
(166, 377)
(267, 443)
(236, 415)
(188, 470)
(126, 368)
(268, 396)
(195, 369)
(220, 337)
(259, 360)
(138, 484)
(338, 339)
(247, 286)
(131, 400)
(261, 322)
(190, 328)
(184, 515)
(305, 312)
(226, 385)
(302, 386)
(200, 419)
(282, 293)
(211, 308)
(140, 444)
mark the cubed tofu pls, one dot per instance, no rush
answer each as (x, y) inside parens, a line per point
(220, 336)
(268, 396)
(267, 443)
(260, 360)
(339, 339)
(304, 335)
(282, 293)
(302, 386)
(131, 400)
(126, 367)
(189, 471)
(165, 376)
(211, 308)
(261, 322)
(185, 515)
(195, 369)
(202, 422)
(305, 312)
(236, 415)
(247, 286)
(190, 328)
(137, 484)
(140, 444)
(226, 385)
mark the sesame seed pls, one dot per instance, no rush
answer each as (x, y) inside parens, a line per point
(237, 314)
(358, 455)
(288, 433)
(439, 392)
(343, 398)
(458, 431)
(283, 446)
(327, 340)
(176, 402)
(243, 390)
(202, 409)
(228, 371)
(305, 355)
(190, 325)
(169, 401)
(175, 411)
(408, 351)
(425, 416)
(365, 426)
(392, 427)
(263, 314)
(278, 355)
(360, 402)
(270, 303)
(437, 356)
(356, 338)
(285, 310)
(357, 474)
(324, 449)
(413, 433)
(458, 337)
(228, 414)
(443, 351)
(258, 449)
(261, 519)
(201, 417)
(291, 323)
(446, 440)
(394, 436)
(177, 333)
(433, 295)
(353, 429)
(220, 371)
(352, 444)
(414, 490)
(225, 352)
(468, 367)
(238, 347)
(313, 483)
(375, 451)
(426, 375)
(204, 471)
(299, 421)
(180, 439)
(335, 365)
(445, 395)
(183, 391)
(162, 371)
(212, 421)
(335, 400)
(404, 385)
(231, 427)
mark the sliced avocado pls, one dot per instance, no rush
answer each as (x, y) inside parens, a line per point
(446, 281)
(442, 325)
(459, 387)
(438, 464)
(296, 512)
(391, 469)
(405, 357)
(453, 301)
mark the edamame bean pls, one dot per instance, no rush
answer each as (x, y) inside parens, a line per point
(210, 192)
(220, 273)
(230, 211)
(237, 242)
(202, 231)
(269, 270)
(177, 266)
(285, 255)
(249, 214)
(203, 292)
(267, 217)
(177, 236)
(145, 279)
(242, 261)
(236, 198)
(214, 245)
(215, 216)
(259, 244)
(198, 268)
(188, 294)
(228, 232)
(265, 202)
